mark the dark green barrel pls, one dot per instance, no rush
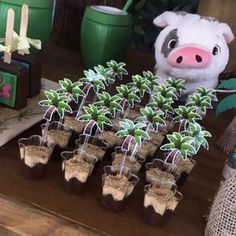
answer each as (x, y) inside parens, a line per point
(105, 34)
(40, 17)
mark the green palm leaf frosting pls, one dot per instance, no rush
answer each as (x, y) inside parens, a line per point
(134, 130)
(166, 91)
(177, 84)
(106, 73)
(71, 89)
(207, 92)
(128, 94)
(92, 114)
(178, 146)
(142, 84)
(105, 100)
(201, 102)
(199, 136)
(95, 79)
(161, 103)
(151, 117)
(56, 103)
(118, 69)
(153, 79)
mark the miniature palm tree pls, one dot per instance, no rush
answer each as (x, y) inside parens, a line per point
(230, 101)
(92, 80)
(128, 96)
(94, 117)
(202, 103)
(186, 115)
(106, 73)
(207, 92)
(55, 103)
(166, 91)
(142, 84)
(151, 117)
(199, 136)
(161, 103)
(70, 89)
(179, 146)
(153, 79)
(132, 133)
(118, 69)
(177, 84)
(105, 100)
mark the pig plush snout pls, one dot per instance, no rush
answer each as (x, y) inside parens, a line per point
(189, 57)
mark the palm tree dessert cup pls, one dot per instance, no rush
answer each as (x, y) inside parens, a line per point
(160, 202)
(77, 166)
(34, 156)
(117, 186)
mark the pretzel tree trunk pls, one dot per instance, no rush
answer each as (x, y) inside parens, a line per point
(9, 34)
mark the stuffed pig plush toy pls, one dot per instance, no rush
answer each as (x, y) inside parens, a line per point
(192, 48)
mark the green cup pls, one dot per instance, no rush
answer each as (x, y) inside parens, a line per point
(105, 34)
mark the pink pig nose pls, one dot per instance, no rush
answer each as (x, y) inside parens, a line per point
(189, 57)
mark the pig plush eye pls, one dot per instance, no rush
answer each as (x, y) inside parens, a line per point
(216, 50)
(172, 44)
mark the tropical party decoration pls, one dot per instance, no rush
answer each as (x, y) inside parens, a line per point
(107, 73)
(177, 84)
(199, 136)
(109, 102)
(202, 103)
(185, 115)
(118, 70)
(207, 92)
(71, 89)
(152, 118)
(141, 83)
(153, 79)
(179, 146)
(166, 91)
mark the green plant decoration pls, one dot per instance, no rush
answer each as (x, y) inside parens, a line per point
(106, 73)
(105, 100)
(202, 103)
(70, 89)
(153, 79)
(142, 85)
(179, 146)
(199, 136)
(128, 95)
(161, 103)
(177, 84)
(95, 80)
(94, 117)
(55, 103)
(118, 69)
(167, 92)
(207, 92)
(185, 115)
(151, 117)
(230, 101)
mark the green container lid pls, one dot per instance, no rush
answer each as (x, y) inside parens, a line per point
(30, 3)
(108, 15)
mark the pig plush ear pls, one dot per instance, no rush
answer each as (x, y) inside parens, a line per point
(167, 18)
(227, 32)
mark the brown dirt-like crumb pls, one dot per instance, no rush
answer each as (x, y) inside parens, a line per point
(156, 138)
(185, 166)
(58, 137)
(147, 149)
(74, 124)
(77, 162)
(118, 182)
(95, 151)
(164, 195)
(133, 114)
(116, 123)
(110, 138)
(130, 163)
(156, 173)
(37, 151)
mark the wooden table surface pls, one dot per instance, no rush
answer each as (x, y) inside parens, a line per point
(86, 209)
